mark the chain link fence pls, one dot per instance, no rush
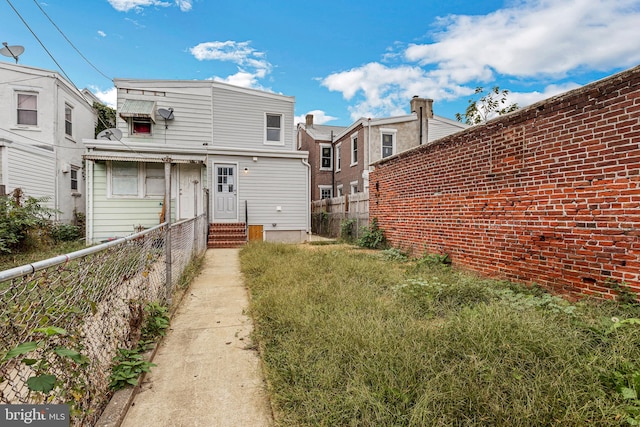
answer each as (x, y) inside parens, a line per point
(63, 319)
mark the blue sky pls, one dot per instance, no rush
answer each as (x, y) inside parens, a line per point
(340, 59)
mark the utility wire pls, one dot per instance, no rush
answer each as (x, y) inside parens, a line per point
(42, 44)
(69, 41)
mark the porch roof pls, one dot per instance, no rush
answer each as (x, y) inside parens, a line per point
(145, 158)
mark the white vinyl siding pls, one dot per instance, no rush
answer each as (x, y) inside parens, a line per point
(239, 119)
(37, 179)
(271, 182)
(117, 217)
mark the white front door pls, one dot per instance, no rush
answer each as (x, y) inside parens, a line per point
(225, 192)
(189, 202)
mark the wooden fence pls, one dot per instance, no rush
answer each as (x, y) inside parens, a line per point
(342, 216)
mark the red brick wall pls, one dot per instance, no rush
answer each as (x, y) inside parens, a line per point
(547, 195)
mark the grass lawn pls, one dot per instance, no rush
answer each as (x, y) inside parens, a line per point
(366, 338)
(8, 261)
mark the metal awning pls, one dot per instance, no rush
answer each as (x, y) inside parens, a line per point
(149, 158)
(138, 108)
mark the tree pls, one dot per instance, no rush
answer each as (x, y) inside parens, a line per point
(490, 104)
(106, 117)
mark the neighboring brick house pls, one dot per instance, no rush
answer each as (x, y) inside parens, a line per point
(340, 157)
(547, 195)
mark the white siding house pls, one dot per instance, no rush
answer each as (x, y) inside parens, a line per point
(43, 120)
(231, 153)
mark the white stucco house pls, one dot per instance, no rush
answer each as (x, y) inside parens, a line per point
(231, 155)
(43, 120)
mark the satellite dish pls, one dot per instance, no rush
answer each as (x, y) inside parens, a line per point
(112, 134)
(12, 51)
(166, 114)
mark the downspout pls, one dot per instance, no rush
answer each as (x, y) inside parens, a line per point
(420, 142)
(368, 143)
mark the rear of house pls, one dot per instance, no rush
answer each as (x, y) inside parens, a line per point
(228, 151)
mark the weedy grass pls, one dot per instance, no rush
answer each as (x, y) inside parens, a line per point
(352, 338)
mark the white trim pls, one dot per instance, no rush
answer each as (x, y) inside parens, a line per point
(141, 182)
(325, 187)
(338, 157)
(281, 140)
(351, 185)
(330, 167)
(393, 133)
(352, 138)
(340, 190)
(214, 185)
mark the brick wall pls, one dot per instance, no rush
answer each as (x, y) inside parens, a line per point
(547, 195)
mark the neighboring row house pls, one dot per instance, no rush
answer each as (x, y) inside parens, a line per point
(340, 157)
(231, 153)
(43, 120)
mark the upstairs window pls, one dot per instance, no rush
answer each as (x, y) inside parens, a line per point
(28, 109)
(68, 124)
(354, 150)
(141, 126)
(273, 132)
(338, 158)
(388, 143)
(325, 157)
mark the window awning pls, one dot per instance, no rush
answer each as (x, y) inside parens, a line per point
(145, 158)
(138, 108)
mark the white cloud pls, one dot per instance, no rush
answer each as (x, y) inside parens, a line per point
(252, 64)
(102, 33)
(109, 96)
(534, 38)
(138, 5)
(387, 90)
(528, 98)
(531, 41)
(319, 117)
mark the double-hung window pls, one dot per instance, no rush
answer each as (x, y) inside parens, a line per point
(388, 142)
(338, 158)
(326, 191)
(326, 155)
(68, 123)
(74, 177)
(354, 150)
(27, 109)
(273, 130)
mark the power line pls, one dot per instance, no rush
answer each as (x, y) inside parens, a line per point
(42, 44)
(69, 41)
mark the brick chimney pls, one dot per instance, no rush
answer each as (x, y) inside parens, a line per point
(426, 104)
(309, 120)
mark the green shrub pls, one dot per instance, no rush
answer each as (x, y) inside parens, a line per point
(372, 237)
(21, 220)
(65, 233)
(347, 229)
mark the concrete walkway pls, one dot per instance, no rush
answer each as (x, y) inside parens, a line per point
(208, 374)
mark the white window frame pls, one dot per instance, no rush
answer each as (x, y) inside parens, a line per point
(338, 157)
(156, 180)
(74, 170)
(17, 97)
(354, 149)
(393, 133)
(267, 141)
(326, 188)
(323, 157)
(68, 120)
(142, 191)
(340, 190)
(353, 187)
